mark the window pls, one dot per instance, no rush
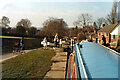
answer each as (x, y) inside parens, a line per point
(106, 34)
(112, 36)
(101, 33)
(98, 41)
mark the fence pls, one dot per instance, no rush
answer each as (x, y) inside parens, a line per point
(29, 43)
(76, 68)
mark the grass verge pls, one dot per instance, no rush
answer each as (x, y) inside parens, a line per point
(7, 49)
(33, 64)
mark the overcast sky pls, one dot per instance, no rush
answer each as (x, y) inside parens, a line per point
(37, 11)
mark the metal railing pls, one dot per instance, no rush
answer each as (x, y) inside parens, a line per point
(76, 67)
(81, 63)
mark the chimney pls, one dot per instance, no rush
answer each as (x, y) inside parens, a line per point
(103, 25)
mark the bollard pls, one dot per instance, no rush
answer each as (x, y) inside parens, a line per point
(80, 46)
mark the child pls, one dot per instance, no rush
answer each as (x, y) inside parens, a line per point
(45, 43)
(60, 43)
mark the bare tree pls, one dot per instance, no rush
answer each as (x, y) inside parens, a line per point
(25, 23)
(20, 30)
(95, 27)
(100, 21)
(83, 20)
(4, 22)
(112, 16)
(32, 31)
(54, 25)
(73, 32)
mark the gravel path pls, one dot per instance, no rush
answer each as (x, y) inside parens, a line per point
(10, 55)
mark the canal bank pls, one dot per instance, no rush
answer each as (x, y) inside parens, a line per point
(58, 68)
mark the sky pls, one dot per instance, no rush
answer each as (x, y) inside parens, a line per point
(37, 11)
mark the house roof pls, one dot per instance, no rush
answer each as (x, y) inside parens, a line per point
(109, 28)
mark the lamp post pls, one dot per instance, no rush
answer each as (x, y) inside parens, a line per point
(119, 10)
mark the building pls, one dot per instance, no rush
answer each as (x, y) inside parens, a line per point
(111, 33)
(94, 38)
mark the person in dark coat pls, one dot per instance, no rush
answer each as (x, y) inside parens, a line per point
(104, 40)
(118, 44)
(22, 45)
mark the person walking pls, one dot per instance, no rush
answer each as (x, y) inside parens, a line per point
(55, 40)
(22, 45)
(104, 40)
(72, 43)
(45, 43)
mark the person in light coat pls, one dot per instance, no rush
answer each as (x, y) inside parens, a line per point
(60, 43)
(45, 43)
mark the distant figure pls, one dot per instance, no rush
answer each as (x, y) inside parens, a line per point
(60, 43)
(72, 43)
(118, 44)
(104, 40)
(22, 45)
(45, 43)
(55, 40)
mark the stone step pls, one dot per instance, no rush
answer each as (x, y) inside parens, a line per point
(59, 59)
(58, 49)
(55, 74)
(58, 66)
(61, 54)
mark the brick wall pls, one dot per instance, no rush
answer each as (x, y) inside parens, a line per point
(108, 37)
